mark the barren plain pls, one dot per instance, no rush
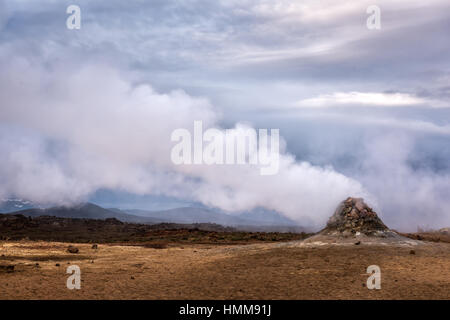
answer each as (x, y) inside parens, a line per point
(283, 270)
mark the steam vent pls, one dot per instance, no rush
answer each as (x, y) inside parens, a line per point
(353, 217)
(355, 223)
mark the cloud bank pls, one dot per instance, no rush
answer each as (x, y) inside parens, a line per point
(362, 112)
(70, 132)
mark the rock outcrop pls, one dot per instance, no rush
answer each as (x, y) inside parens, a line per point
(353, 216)
(355, 223)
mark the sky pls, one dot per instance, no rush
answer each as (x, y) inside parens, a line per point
(361, 112)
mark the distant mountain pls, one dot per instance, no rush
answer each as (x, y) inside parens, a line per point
(267, 217)
(11, 205)
(86, 211)
(256, 220)
(258, 217)
(192, 215)
(107, 198)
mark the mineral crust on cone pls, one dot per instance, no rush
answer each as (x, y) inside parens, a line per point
(353, 216)
(355, 223)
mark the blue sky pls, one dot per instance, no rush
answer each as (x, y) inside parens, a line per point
(92, 109)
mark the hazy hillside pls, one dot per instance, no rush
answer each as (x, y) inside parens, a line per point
(190, 215)
(257, 220)
(86, 211)
(260, 217)
(267, 218)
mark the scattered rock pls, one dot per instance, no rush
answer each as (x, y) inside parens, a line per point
(155, 245)
(94, 246)
(72, 249)
(132, 278)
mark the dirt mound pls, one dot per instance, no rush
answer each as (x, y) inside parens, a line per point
(354, 216)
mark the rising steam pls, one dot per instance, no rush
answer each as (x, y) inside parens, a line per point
(66, 133)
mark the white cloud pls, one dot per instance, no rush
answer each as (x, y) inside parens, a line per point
(375, 99)
(69, 132)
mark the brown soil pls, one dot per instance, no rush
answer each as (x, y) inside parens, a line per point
(428, 236)
(256, 271)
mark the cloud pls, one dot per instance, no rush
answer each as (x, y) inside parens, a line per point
(93, 108)
(401, 161)
(67, 132)
(407, 196)
(374, 99)
(412, 126)
(242, 45)
(3, 14)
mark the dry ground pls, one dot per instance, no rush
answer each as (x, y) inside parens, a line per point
(256, 271)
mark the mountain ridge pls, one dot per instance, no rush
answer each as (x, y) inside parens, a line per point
(183, 215)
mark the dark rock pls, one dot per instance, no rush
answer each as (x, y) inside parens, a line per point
(412, 252)
(72, 249)
(8, 268)
(357, 243)
(94, 246)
